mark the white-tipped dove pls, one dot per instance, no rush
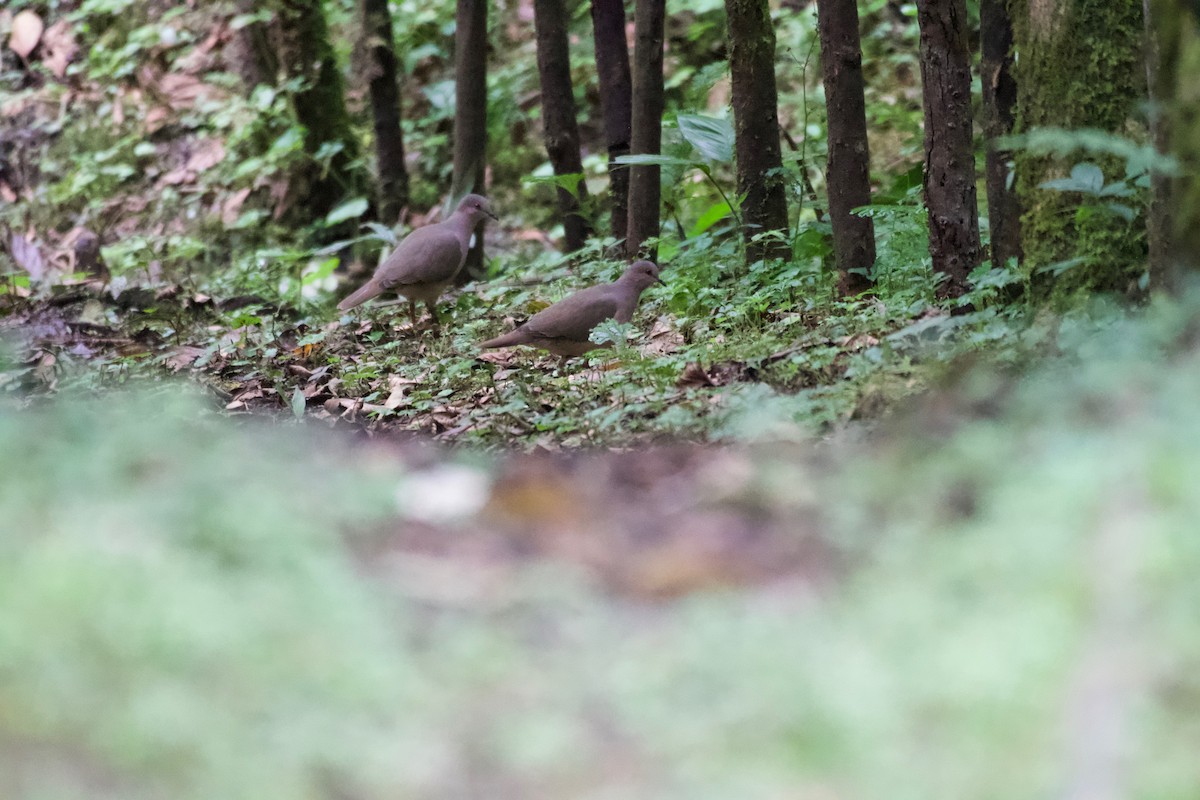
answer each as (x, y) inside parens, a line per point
(426, 261)
(564, 327)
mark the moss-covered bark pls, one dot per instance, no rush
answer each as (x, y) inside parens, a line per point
(644, 189)
(999, 108)
(1078, 66)
(616, 98)
(1174, 28)
(320, 106)
(382, 80)
(950, 193)
(849, 166)
(560, 128)
(756, 125)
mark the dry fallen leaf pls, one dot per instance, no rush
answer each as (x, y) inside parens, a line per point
(399, 392)
(59, 48)
(182, 91)
(664, 338)
(183, 357)
(231, 209)
(27, 30)
(858, 341)
(207, 153)
(693, 375)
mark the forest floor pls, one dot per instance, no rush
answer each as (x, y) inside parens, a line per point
(156, 151)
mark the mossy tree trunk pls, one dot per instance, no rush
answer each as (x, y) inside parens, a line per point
(560, 129)
(1078, 66)
(848, 173)
(255, 49)
(949, 151)
(1174, 26)
(999, 110)
(307, 53)
(385, 109)
(645, 193)
(470, 113)
(616, 98)
(756, 128)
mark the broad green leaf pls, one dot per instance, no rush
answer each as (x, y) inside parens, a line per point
(347, 210)
(1086, 178)
(642, 159)
(712, 137)
(1121, 210)
(710, 217)
(382, 232)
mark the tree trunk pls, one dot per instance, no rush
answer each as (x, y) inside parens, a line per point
(470, 113)
(385, 109)
(320, 106)
(254, 50)
(848, 174)
(1078, 66)
(558, 116)
(949, 155)
(644, 190)
(999, 101)
(1160, 86)
(616, 91)
(756, 126)
(1175, 27)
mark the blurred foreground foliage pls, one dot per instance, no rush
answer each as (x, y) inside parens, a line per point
(190, 610)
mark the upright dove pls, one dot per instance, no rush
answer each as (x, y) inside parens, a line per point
(564, 327)
(426, 262)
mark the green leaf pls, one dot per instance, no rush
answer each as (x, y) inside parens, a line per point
(570, 182)
(712, 137)
(1059, 267)
(315, 274)
(710, 217)
(382, 232)
(1121, 210)
(651, 159)
(298, 403)
(1086, 178)
(347, 210)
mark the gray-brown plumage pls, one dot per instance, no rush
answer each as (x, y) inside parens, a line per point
(425, 263)
(564, 327)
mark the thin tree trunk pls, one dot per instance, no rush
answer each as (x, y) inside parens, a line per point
(559, 127)
(999, 110)
(1160, 87)
(385, 109)
(308, 54)
(470, 113)
(848, 176)
(949, 155)
(616, 98)
(644, 191)
(756, 126)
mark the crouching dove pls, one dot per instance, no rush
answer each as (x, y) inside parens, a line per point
(564, 327)
(426, 261)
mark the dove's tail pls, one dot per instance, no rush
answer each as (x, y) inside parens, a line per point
(365, 292)
(507, 340)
